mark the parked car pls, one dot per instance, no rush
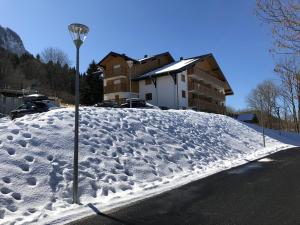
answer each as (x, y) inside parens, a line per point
(138, 103)
(107, 104)
(29, 108)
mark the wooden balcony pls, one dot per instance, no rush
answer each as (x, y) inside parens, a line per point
(206, 106)
(206, 91)
(115, 88)
(115, 72)
(198, 74)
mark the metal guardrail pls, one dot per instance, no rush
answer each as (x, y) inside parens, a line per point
(19, 92)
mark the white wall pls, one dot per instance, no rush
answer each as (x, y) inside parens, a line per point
(166, 92)
(182, 86)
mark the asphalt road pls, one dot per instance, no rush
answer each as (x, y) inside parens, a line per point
(257, 193)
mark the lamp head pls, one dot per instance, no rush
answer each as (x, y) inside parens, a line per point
(130, 63)
(78, 33)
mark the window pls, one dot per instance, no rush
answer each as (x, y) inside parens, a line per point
(148, 96)
(183, 94)
(148, 81)
(182, 77)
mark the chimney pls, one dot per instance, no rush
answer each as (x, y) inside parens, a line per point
(181, 58)
(145, 56)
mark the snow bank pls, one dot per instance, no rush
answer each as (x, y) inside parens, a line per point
(125, 155)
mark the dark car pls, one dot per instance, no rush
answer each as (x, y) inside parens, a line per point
(107, 104)
(29, 108)
(137, 103)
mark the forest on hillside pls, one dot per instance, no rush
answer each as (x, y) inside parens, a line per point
(53, 78)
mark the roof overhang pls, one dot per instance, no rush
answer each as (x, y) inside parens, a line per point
(114, 54)
(216, 68)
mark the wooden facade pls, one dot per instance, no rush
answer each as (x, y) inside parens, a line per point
(117, 73)
(207, 86)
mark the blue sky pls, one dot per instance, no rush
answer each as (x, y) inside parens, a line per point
(226, 28)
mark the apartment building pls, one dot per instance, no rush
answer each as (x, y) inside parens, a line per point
(196, 82)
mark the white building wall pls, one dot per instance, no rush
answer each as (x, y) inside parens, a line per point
(144, 89)
(166, 93)
(182, 86)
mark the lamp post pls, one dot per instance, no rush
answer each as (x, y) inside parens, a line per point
(262, 123)
(130, 64)
(78, 33)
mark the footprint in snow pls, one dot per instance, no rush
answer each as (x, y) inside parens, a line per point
(31, 181)
(5, 190)
(6, 180)
(50, 158)
(29, 158)
(22, 143)
(26, 135)
(16, 196)
(10, 138)
(24, 167)
(15, 131)
(11, 151)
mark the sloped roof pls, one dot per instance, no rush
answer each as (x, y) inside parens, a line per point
(157, 55)
(119, 55)
(174, 67)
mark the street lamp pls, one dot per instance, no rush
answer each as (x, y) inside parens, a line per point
(262, 123)
(78, 33)
(130, 64)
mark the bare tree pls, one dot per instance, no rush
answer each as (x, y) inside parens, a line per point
(284, 18)
(289, 73)
(55, 55)
(264, 98)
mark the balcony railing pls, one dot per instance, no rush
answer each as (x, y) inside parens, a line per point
(115, 72)
(206, 106)
(205, 91)
(198, 74)
(115, 88)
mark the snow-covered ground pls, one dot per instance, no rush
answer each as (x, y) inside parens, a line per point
(125, 155)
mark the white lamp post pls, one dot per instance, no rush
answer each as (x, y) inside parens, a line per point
(262, 122)
(130, 64)
(78, 33)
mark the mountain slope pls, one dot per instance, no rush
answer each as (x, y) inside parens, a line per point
(11, 41)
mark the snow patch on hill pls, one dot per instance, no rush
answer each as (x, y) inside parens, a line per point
(125, 155)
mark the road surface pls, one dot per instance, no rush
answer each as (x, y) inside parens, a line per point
(258, 193)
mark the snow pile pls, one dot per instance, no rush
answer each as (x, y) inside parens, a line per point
(125, 155)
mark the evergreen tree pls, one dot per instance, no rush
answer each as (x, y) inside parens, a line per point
(92, 85)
